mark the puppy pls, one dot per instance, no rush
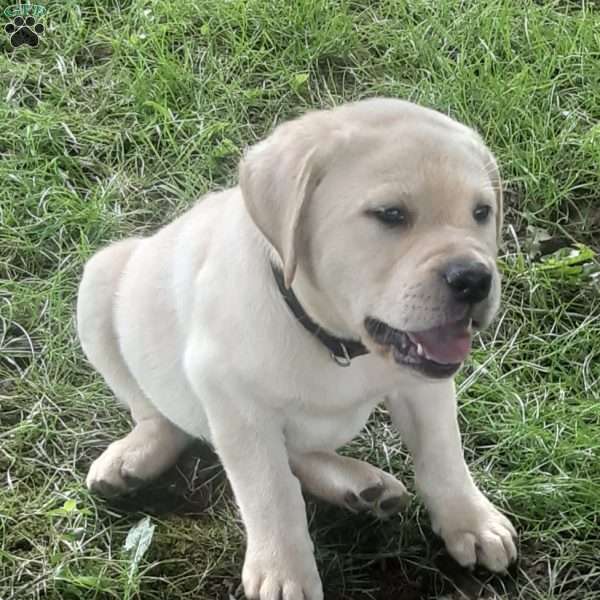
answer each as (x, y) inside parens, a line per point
(349, 268)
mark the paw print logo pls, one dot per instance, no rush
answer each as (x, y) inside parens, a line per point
(24, 31)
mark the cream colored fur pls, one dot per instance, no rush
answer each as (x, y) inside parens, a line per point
(190, 332)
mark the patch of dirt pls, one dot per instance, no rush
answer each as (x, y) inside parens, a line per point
(394, 585)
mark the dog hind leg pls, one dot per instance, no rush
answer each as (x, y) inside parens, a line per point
(349, 483)
(155, 443)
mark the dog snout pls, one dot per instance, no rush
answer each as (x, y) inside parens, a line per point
(470, 281)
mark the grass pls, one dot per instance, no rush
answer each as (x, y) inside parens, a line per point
(130, 110)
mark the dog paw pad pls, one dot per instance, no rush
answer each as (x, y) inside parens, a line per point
(372, 493)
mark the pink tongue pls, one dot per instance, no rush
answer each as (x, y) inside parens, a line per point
(448, 344)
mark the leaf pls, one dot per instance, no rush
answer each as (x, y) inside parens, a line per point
(225, 148)
(70, 506)
(571, 263)
(299, 80)
(137, 543)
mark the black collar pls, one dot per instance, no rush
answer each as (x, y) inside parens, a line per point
(342, 351)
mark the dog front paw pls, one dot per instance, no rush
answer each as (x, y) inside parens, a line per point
(476, 532)
(283, 574)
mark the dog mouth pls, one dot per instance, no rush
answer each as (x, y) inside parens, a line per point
(436, 353)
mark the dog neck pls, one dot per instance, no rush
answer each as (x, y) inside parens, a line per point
(342, 350)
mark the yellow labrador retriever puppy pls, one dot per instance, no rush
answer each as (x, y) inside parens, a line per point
(349, 268)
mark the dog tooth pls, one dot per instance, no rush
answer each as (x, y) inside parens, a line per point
(420, 350)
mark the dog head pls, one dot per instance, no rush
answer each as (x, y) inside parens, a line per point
(386, 217)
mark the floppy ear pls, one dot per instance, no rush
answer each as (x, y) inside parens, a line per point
(277, 178)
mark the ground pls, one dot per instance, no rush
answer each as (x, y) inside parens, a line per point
(128, 111)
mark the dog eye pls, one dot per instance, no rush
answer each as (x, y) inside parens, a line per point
(392, 216)
(482, 213)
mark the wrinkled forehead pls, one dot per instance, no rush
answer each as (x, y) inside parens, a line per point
(414, 163)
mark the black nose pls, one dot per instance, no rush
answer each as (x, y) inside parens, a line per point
(469, 281)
